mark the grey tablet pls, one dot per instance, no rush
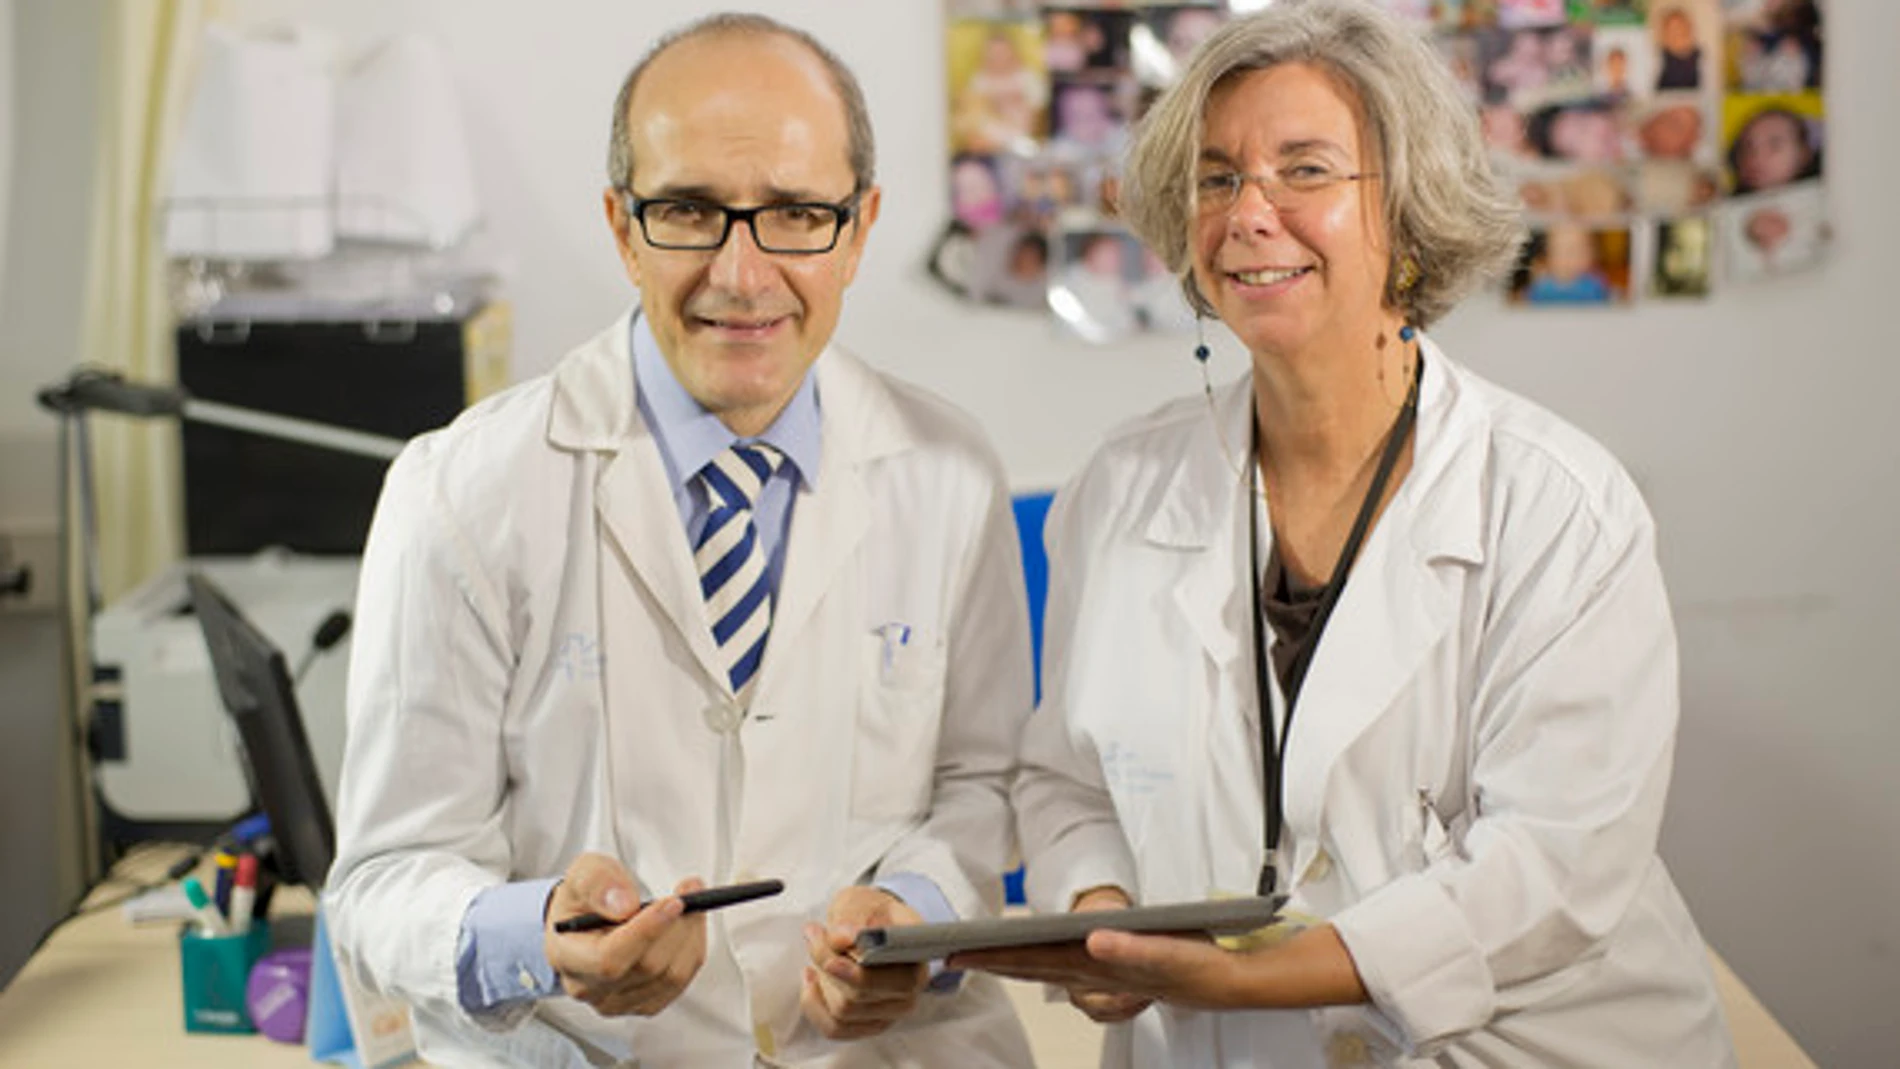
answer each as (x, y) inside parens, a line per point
(927, 942)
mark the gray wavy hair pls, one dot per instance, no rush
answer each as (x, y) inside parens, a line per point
(1445, 209)
(861, 146)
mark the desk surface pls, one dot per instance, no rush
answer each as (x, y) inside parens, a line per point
(103, 992)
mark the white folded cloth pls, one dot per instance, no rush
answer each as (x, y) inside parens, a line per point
(251, 176)
(403, 169)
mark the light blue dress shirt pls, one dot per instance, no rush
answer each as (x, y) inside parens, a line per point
(499, 955)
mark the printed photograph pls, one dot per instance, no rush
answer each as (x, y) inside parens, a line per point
(1774, 47)
(1093, 285)
(1164, 36)
(1465, 16)
(1685, 249)
(1010, 267)
(1609, 12)
(999, 91)
(1076, 40)
(1089, 117)
(1573, 264)
(1586, 132)
(977, 190)
(1684, 32)
(1624, 63)
(1513, 14)
(1675, 126)
(1770, 234)
(1672, 188)
(1590, 194)
(1529, 68)
(1772, 140)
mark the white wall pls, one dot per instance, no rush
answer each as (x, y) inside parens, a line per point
(53, 72)
(48, 91)
(6, 124)
(1758, 424)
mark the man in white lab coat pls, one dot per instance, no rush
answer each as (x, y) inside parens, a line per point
(712, 602)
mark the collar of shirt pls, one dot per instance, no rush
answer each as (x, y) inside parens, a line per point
(689, 436)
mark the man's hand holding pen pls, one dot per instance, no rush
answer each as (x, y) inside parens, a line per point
(636, 967)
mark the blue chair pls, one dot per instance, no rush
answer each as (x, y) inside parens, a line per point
(1031, 510)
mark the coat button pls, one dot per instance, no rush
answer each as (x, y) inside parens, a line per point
(722, 717)
(526, 978)
(1320, 867)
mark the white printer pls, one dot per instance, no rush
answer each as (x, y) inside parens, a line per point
(167, 751)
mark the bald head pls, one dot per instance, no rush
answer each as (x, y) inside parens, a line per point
(722, 42)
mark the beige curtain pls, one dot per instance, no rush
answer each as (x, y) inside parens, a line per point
(147, 66)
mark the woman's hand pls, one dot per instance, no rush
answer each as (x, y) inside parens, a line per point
(1312, 968)
(1102, 1006)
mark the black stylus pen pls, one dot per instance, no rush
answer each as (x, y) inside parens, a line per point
(696, 902)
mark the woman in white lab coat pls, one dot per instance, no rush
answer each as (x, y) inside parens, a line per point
(1468, 744)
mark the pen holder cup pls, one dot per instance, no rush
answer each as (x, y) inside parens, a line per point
(215, 969)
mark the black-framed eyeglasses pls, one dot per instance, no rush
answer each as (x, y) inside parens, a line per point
(800, 228)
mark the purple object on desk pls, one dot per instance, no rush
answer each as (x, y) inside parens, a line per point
(278, 994)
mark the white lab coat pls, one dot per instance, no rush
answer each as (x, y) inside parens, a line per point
(533, 677)
(1477, 767)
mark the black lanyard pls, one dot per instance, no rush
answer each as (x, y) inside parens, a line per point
(1272, 751)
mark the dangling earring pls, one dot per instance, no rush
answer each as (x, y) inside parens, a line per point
(1202, 354)
(1405, 275)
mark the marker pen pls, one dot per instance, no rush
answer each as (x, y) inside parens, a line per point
(208, 917)
(243, 894)
(226, 863)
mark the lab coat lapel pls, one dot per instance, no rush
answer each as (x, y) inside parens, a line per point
(644, 524)
(1201, 515)
(594, 409)
(1400, 598)
(1202, 511)
(830, 518)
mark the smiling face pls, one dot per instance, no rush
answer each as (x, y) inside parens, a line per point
(1310, 274)
(1772, 150)
(974, 195)
(1586, 135)
(1084, 115)
(740, 120)
(1678, 33)
(1672, 132)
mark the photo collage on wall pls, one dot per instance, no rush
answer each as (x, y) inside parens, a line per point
(1663, 148)
(1041, 99)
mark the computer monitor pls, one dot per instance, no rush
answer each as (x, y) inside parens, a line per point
(256, 688)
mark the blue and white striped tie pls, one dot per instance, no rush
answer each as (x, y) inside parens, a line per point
(731, 560)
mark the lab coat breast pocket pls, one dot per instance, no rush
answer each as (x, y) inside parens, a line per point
(895, 748)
